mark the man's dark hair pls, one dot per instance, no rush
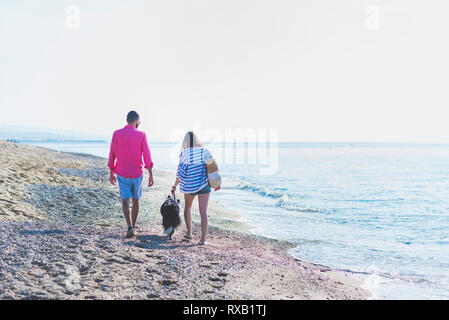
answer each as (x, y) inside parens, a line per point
(132, 116)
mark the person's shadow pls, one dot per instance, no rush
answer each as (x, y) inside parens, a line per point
(152, 241)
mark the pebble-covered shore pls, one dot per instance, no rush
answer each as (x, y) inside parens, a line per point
(61, 237)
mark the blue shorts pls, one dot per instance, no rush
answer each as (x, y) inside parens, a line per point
(130, 187)
(206, 189)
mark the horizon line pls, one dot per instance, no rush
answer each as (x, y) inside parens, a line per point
(240, 142)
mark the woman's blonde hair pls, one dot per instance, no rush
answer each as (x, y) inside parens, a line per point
(186, 142)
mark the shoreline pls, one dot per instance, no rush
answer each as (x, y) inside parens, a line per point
(67, 178)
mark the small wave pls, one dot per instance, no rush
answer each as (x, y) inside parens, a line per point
(285, 203)
(260, 190)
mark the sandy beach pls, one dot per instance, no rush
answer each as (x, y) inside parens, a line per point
(62, 237)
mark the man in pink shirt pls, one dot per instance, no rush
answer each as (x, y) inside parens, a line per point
(128, 156)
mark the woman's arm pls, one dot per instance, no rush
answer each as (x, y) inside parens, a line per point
(173, 188)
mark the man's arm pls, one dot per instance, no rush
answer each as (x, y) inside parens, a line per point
(150, 179)
(111, 162)
(112, 178)
(147, 159)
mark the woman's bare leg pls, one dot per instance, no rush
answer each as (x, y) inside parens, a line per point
(188, 200)
(203, 200)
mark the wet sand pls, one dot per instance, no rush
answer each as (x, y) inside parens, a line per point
(61, 237)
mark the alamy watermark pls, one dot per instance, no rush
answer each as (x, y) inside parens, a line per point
(254, 147)
(372, 17)
(372, 282)
(72, 282)
(73, 18)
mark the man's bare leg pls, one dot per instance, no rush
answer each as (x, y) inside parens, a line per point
(126, 212)
(135, 212)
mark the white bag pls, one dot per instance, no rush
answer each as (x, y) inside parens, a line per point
(213, 174)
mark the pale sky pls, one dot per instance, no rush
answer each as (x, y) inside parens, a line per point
(316, 70)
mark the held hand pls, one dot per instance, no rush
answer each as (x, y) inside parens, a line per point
(150, 181)
(173, 189)
(113, 179)
(219, 187)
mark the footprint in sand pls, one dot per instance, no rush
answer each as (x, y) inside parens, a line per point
(208, 291)
(131, 259)
(83, 270)
(217, 286)
(218, 283)
(36, 296)
(113, 260)
(215, 279)
(167, 282)
(38, 263)
(154, 256)
(152, 271)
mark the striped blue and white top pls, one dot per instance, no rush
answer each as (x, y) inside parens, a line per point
(192, 171)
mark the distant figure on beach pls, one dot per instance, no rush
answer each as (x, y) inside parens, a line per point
(128, 147)
(192, 178)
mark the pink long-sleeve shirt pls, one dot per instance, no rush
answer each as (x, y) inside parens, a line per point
(129, 152)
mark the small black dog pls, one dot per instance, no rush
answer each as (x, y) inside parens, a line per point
(170, 215)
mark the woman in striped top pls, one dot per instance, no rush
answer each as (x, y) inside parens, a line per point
(191, 176)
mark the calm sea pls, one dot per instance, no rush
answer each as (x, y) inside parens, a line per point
(378, 210)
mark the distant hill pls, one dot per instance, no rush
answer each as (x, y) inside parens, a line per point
(22, 133)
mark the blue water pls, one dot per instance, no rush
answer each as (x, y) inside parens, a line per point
(380, 210)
